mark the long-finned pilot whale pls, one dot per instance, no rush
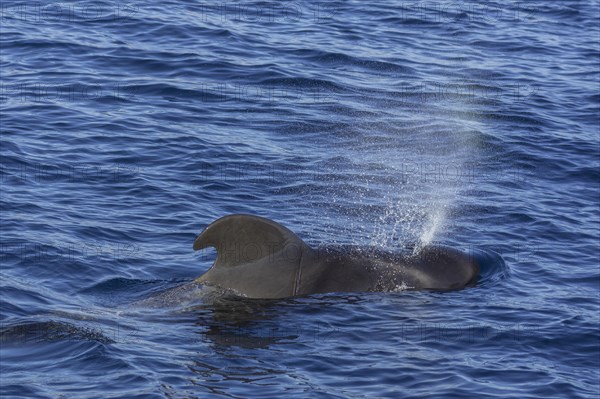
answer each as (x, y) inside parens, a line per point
(259, 258)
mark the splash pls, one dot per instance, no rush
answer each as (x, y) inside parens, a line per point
(432, 173)
(404, 170)
(435, 223)
(402, 287)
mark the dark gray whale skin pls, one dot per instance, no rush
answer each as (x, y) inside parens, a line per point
(259, 258)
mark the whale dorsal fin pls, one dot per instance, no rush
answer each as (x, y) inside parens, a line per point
(241, 239)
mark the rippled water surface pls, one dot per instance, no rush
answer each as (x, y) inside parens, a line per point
(127, 128)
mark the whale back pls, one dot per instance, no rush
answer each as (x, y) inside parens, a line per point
(259, 258)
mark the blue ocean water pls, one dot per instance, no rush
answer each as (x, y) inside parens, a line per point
(126, 128)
